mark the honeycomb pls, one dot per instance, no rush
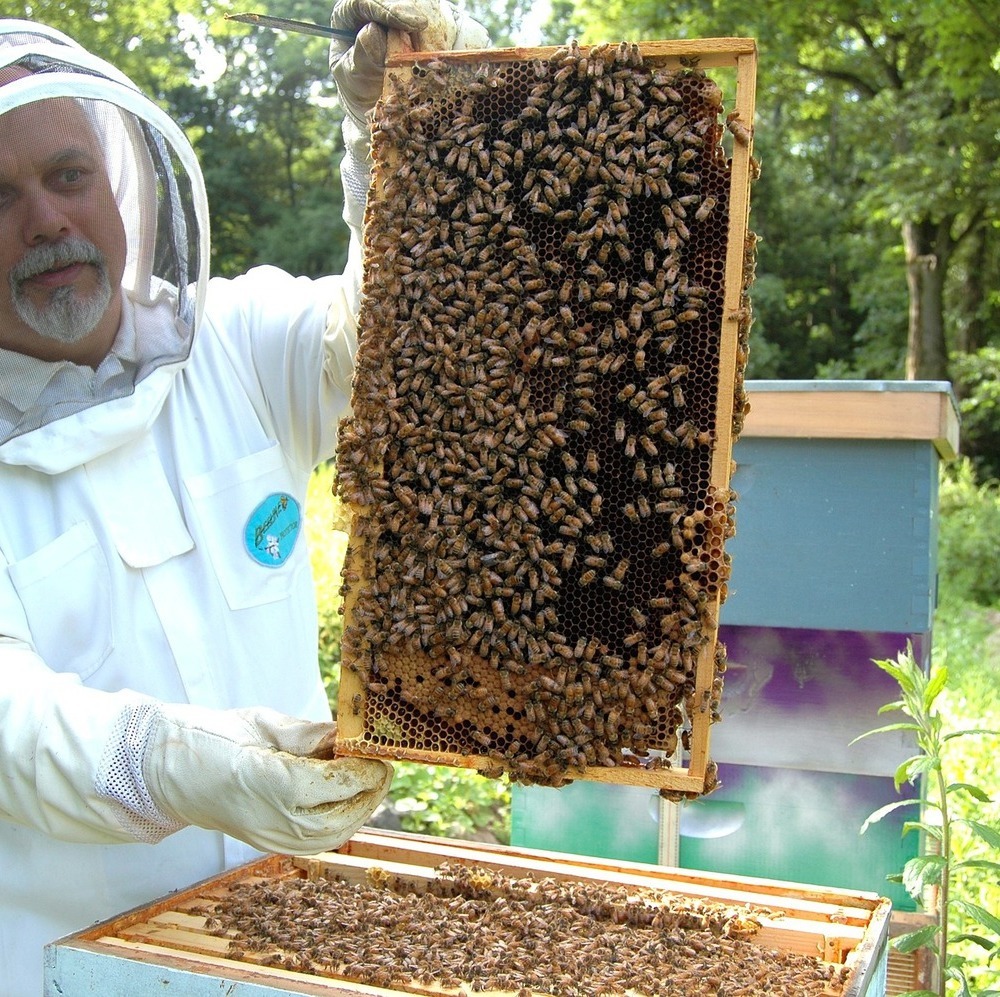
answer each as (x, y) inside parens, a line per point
(538, 457)
(475, 930)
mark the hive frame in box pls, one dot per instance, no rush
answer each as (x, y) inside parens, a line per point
(357, 733)
(167, 945)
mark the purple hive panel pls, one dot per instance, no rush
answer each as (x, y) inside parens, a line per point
(797, 698)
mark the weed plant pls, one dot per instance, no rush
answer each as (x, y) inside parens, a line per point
(958, 867)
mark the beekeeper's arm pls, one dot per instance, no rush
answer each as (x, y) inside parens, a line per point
(84, 765)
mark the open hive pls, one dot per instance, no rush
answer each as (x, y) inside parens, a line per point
(547, 387)
(391, 913)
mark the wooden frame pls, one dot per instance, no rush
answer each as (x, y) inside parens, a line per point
(689, 773)
(168, 942)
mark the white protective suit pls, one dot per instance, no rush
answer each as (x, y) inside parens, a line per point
(150, 541)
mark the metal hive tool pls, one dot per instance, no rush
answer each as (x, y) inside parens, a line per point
(548, 383)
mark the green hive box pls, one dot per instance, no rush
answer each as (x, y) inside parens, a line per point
(834, 564)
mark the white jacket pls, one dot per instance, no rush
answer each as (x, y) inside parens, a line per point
(151, 548)
(143, 570)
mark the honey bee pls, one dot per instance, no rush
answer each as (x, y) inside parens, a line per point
(705, 209)
(740, 131)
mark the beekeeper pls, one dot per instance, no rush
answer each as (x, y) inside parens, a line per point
(160, 700)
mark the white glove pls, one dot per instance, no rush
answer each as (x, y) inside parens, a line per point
(358, 68)
(248, 773)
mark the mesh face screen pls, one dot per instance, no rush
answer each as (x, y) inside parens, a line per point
(535, 462)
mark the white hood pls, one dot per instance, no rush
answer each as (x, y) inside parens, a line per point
(160, 194)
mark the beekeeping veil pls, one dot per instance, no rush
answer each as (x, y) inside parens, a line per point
(160, 195)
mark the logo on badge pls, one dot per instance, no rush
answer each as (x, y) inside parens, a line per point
(272, 529)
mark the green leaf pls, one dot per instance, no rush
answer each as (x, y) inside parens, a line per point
(886, 730)
(934, 687)
(978, 914)
(932, 830)
(894, 670)
(902, 773)
(913, 767)
(914, 940)
(983, 943)
(988, 834)
(974, 791)
(924, 870)
(985, 865)
(971, 732)
(898, 704)
(875, 817)
(963, 983)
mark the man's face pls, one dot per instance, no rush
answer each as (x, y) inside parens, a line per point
(62, 242)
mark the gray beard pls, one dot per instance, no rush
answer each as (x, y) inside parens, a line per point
(67, 317)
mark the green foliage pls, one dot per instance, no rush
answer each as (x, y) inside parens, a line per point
(456, 803)
(969, 537)
(141, 39)
(960, 830)
(316, 211)
(428, 799)
(267, 132)
(501, 18)
(977, 382)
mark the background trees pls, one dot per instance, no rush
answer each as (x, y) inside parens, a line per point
(878, 209)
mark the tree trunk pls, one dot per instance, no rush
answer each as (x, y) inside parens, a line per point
(928, 248)
(971, 331)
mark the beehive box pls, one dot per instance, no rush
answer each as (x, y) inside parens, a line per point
(365, 920)
(548, 383)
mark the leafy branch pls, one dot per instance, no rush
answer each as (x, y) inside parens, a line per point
(938, 868)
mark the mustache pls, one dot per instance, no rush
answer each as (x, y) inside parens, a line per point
(51, 256)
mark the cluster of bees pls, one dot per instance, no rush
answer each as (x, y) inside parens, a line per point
(474, 930)
(539, 519)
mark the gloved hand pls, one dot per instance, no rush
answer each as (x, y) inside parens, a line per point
(358, 67)
(249, 774)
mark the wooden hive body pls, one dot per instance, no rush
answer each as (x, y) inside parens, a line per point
(548, 384)
(262, 929)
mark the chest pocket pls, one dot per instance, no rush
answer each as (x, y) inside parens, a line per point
(249, 520)
(65, 589)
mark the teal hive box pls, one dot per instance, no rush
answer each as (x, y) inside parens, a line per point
(834, 563)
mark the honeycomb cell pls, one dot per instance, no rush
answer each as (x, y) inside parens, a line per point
(537, 551)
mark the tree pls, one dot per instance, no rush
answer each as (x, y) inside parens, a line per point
(140, 38)
(267, 132)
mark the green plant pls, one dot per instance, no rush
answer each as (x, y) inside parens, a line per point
(977, 382)
(455, 803)
(969, 548)
(959, 921)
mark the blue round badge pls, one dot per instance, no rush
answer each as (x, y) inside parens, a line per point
(272, 529)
